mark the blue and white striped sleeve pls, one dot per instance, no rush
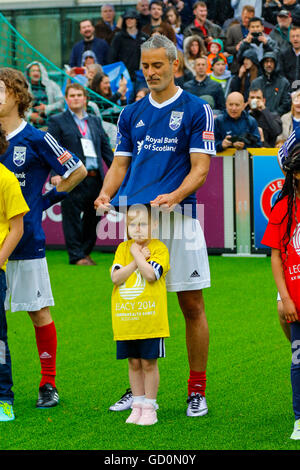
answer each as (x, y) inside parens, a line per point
(157, 268)
(202, 136)
(61, 160)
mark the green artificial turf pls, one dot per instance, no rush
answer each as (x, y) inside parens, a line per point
(248, 374)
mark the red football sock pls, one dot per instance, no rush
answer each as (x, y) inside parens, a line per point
(197, 382)
(46, 341)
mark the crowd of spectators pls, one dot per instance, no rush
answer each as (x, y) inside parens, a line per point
(241, 56)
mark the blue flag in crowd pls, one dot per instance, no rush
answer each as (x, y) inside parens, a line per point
(115, 72)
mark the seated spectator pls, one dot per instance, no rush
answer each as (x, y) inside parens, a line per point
(257, 40)
(235, 128)
(182, 74)
(236, 34)
(101, 85)
(202, 26)
(291, 120)
(215, 48)
(107, 27)
(156, 14)
(125, 46)
(47, 95)
(141, 94)
(142, 8)
(173, 18)
(88, 58)
(91, 71)
(290, 58)
(193, 48)
(269, 124)
(275, 87)
(248, 72)
(88, 43)
(272, 8)
(84, 75)
(281, 32)
(220, 74)
(201, 85)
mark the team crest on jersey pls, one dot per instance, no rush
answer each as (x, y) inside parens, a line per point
(19, 155)
(175, 120)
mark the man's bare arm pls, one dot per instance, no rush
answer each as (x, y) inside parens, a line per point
(112, 181)
(69, 183)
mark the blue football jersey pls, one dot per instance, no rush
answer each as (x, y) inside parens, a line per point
(294, 138)
(159, 137)
(30, 156)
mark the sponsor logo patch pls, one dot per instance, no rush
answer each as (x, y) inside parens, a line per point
(195, 274)
(64, 157)
(139, 145)
(207, 135)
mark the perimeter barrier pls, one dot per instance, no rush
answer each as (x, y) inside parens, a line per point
(236, 199)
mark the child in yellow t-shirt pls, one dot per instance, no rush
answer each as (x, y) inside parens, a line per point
(12, 209)
(139, 310)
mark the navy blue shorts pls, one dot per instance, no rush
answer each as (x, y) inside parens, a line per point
(151, 348)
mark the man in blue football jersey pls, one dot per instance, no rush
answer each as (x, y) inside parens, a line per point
(31, 155)
(162, 157)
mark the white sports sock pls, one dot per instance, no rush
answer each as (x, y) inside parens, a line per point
(150, 401)
(138, 399)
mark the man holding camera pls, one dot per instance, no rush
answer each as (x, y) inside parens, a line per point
(235, 127)
(257, 40)
(269, 123)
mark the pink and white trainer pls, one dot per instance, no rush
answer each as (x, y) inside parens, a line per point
(148, 416)
(135, 414)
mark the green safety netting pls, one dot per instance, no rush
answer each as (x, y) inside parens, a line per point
(17, 52)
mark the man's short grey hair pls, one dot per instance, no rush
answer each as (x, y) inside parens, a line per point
(107, 5)
(158, 41)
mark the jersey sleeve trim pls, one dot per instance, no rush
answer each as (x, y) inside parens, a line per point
(123, 154)
(208, 151)
(157, 268)
(70, 170)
